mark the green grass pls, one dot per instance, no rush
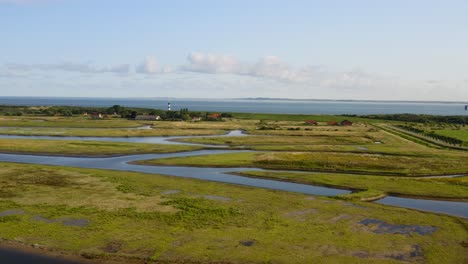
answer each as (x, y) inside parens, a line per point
(130, 213)
(86, 148)
(299, 117)
(77, 122)
(451, 188)
(98, 132)
(461, 134)
(280, 140)
(326, 161)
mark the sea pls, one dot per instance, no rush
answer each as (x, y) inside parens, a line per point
(273, 106)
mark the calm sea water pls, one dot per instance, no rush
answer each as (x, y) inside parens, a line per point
(256, 106)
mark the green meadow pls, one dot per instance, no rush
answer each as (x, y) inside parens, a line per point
(161, 219)
(127, 217)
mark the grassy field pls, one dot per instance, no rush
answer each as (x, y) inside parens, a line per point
(282, 140)
(454, 131)
(86, 148)
(301, 118)
(175, 220)
(326, 161)
(461, 134)
(359, 138)
(78, 122)
(450, 188)
(99, 132)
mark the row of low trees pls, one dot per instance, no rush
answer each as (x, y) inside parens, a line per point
(433, 135)
(115, 110)
(174, 115)
(459, 120)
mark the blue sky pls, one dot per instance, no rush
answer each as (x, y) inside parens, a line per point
(330, 49)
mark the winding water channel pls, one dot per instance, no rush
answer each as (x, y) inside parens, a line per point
(122, 163)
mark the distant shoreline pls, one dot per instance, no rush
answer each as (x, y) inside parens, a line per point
(237, 99)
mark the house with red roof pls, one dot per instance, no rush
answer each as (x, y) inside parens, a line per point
(346, 123)
(213, 116)
(311, 122)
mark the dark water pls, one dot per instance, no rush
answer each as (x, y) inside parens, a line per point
(210, 174)
(451, 208)
(9, 256)
(257, 106)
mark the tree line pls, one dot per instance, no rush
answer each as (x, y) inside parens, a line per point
(433, 135)
(115, 111)
(459, 120)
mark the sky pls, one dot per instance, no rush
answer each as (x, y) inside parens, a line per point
(330, 49)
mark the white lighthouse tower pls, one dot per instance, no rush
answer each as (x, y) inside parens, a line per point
(168, 106)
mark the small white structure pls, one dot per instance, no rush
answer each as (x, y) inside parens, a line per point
(147, 117)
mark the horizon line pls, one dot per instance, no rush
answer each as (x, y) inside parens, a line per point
(241, 98)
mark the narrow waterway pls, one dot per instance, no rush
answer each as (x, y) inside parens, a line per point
(122, 163)
(148, 140)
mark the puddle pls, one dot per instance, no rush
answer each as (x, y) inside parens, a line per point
(43, 219)
(170, 192)
(80, 222)
(143, 127)
(12, 212)
(354, 205)
(217, 198)
(113, 247)
(360, 254)
(377, 142)
(382, 227)
(416, 251)
(247, 243)
(75, 222)
(340, 217)
(300, 215)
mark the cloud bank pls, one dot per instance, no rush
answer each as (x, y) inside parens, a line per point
(221, 75)
(272, 67)
(68, 67)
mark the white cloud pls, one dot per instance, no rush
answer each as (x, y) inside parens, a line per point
(272, 67)
(151, 66)
(267, 67)
(212, 63)
(269, 76)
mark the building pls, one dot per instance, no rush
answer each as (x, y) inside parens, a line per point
(332, 123)
(96, 115)
(311, 122)
(196, 118)
(213, 116)
(346, 123)
(147, 117)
